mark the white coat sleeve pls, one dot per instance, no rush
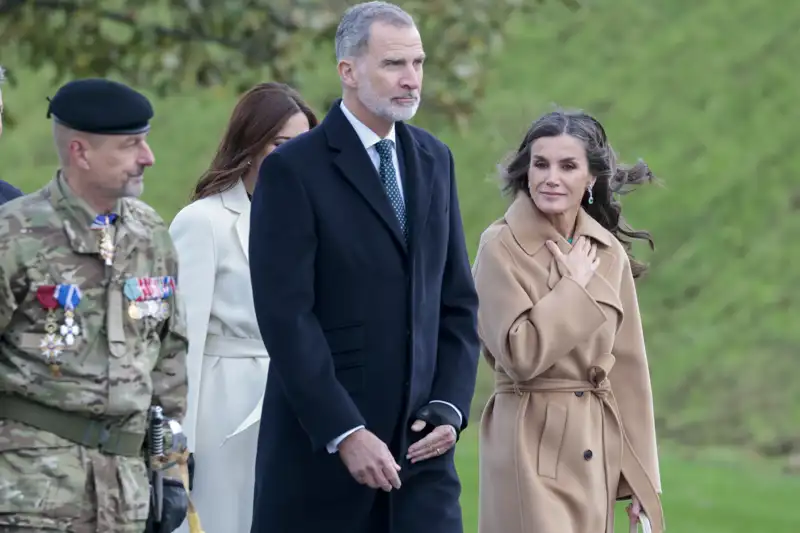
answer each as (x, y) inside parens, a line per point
(192, 232)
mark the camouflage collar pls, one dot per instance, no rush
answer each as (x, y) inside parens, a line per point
(77, 217)
(66, 201)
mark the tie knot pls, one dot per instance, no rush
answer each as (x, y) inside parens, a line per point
(384, 147)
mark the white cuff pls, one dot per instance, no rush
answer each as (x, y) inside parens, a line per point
(333, 446)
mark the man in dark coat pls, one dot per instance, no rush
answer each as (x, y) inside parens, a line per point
(7, 191)
(365, 301)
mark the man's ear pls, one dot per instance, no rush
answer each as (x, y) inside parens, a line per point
(78, 149)
(347, 73)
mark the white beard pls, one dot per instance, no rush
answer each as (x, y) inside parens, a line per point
(386, 108)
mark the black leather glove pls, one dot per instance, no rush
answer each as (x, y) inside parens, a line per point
(438, 414)
(176, 507)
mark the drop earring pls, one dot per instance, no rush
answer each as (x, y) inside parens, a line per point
(591, 198)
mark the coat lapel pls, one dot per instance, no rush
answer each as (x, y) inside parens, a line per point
(417, 179)
(353, 161)
(531, 230)
(235, 200)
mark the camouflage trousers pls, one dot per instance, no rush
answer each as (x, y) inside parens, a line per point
(50, 484)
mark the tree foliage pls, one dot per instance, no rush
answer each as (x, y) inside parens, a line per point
(169, 45)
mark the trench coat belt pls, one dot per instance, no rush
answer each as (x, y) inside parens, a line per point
(238, 348)
(635, 474)
(234, 347)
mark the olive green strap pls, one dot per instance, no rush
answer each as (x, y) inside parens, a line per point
(79, 429)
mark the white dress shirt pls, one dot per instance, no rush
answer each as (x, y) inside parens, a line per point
(369, 139)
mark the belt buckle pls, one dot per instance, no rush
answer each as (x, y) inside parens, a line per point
(103, 435)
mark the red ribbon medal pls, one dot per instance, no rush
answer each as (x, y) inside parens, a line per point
(46, 294)
(51, 344)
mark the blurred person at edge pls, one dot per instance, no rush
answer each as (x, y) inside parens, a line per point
(569, 429)
(7, 191)
(227, 361)
(363, 293)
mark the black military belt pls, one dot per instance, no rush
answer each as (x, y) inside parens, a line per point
(98, 434)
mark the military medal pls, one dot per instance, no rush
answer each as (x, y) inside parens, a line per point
(164, 310)
(69, 296)
(134, 294)
(134, 312)
(165, 289)
(148, 296)
(51, 344)
(101, 224)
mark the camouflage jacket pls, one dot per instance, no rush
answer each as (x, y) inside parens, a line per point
(121, 359)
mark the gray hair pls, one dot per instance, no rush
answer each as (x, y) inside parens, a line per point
(352, 35)
(2, 75)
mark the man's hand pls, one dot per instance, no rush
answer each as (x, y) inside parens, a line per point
(369, 461)
(437, 442)
(443, 420)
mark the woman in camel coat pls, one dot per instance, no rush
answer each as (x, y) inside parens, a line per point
(569, 429)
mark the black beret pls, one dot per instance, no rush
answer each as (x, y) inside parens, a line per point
(101, 106)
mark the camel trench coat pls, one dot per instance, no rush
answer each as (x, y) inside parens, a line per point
(569, 429)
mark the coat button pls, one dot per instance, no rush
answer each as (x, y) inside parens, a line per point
(587, 454)
(579, 393)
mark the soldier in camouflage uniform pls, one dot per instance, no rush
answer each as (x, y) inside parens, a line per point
(91, 332)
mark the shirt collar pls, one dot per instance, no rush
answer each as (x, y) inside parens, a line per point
(368, 137)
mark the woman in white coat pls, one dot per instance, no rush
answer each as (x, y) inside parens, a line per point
(227, 361)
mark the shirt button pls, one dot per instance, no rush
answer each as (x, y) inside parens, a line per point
(587, 454)
(579, 393)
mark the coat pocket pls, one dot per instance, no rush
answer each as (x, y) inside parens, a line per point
(346, 344)
(134, 489)
(555, 424)
(48, 484)
(345, 339)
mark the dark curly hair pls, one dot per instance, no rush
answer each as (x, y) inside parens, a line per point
(612, 179)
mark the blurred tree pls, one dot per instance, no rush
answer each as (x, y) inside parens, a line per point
(168, 45)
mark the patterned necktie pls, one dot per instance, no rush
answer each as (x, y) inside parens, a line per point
(389, 180)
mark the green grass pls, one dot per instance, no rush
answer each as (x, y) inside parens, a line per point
(713, 492)
(703, 91)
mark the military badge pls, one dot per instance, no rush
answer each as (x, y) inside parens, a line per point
(51, 344)
(68, 297)
(51, 347)
(148, 296)
(101, 224)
